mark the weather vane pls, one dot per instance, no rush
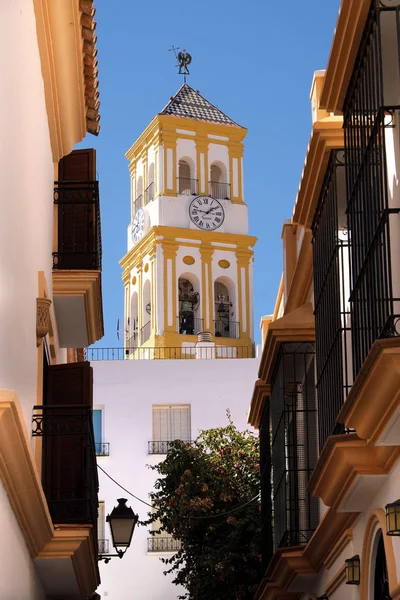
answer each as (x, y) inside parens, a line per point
(184, 59)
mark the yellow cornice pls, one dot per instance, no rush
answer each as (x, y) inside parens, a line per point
(21, 480)
(326, 135)
(297, 326)
(348, 33)
(278, 300)
(59, 33)
(261, 391)
(300, 285)
(88, 285)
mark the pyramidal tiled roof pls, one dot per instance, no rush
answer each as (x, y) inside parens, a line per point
(190, 104)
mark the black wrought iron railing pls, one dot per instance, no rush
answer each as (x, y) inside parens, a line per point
(138, 203)
(219, 190)
(78, 225)
(226, 328)
(163, 544)
(149, 193)
(188, 325)
(104, 546)
(133, 340)
(145, 332)
(371, 113)
(160, 447)
(331, 268)
(294, 445)
(171, 353)
(102, 448)
(69, 470)
(187, 186)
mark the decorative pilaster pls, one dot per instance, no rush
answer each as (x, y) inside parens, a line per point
(152, 257)
(202, 164)
(243, 257)
(206, 252)
(235, 168)
(170, 249)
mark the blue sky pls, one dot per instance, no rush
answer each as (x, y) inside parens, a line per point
(254, 60)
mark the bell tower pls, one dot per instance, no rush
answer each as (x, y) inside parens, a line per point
(188, 269)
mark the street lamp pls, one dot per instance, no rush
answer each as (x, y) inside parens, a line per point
(122, 524)
(353, 570)
(323, 597)
(393, 518)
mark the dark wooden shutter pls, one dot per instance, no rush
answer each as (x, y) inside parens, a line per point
(70, 383)
(77, 209)
(80, 165)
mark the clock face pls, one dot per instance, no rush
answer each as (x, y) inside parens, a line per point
(138, 226)
(206, 213)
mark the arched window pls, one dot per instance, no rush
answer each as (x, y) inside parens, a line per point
(381, 582)
(219, 186)
(149, 192)
(146, 313)
(187, 185)
(133, 325)
(139, 194)
(224, 323)
(189, 321)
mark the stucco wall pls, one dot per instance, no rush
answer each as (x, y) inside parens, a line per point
(126, 391)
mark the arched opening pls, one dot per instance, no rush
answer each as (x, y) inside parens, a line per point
(189, 320)
(149, 192)
(133, 324)
(224, 309)
(219, 186)
(381, 579)
(146, 313)
(139, 194)
(187, 185)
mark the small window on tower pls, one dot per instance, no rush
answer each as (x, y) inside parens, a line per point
(169, 423)
(102, 448)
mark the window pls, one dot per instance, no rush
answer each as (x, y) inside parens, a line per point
(101, 529)
(169, 423)
(102, 449)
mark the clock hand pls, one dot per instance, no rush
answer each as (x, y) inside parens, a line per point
(213, 208)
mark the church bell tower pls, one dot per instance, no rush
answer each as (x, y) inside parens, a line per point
(188, 270)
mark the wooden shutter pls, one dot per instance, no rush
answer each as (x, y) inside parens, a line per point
(180, 423)
(76, 209)
(98, 426)
(161, 429)
(80, 165)
(101, 522)
(70, 383)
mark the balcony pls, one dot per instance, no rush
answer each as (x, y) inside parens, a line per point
(189, 325)
(102, 449)
(161, 447)
(227, 329)
(163, 544)
(69, 471)
(77, 263)
(221, 191)
(149, 193)
(138, 203)
(187, 186)
(170, 353)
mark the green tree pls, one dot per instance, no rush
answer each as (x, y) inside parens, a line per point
(207, 496)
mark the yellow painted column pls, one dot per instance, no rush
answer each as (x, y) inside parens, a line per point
(207, 308)
(170, 248)
(152, 256)
(127, 306)
(243, 257)
(202, 164)
(132, 171)
(139, 266)
(235, 168)
(170, 171)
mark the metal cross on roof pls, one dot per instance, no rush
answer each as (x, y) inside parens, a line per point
(184, 59)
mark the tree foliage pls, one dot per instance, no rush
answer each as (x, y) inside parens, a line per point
(218, 473)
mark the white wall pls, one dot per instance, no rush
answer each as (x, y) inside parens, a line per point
(18, 578)
(126, 390)
(26, 199)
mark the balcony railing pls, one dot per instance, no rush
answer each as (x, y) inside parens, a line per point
(187, 186)
(189, 325)
(78, 226)
(149, 193)
(102, 449)
(163, 544)
(104, 546)
(294, 444)
(171, 353)
(227, 329)
(160, 447)
(145, 332)
(219, 190)
(138, 203)
(69, 471)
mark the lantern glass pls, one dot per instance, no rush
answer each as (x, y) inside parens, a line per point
(393, 518)
(122, 522)
(353, 570)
